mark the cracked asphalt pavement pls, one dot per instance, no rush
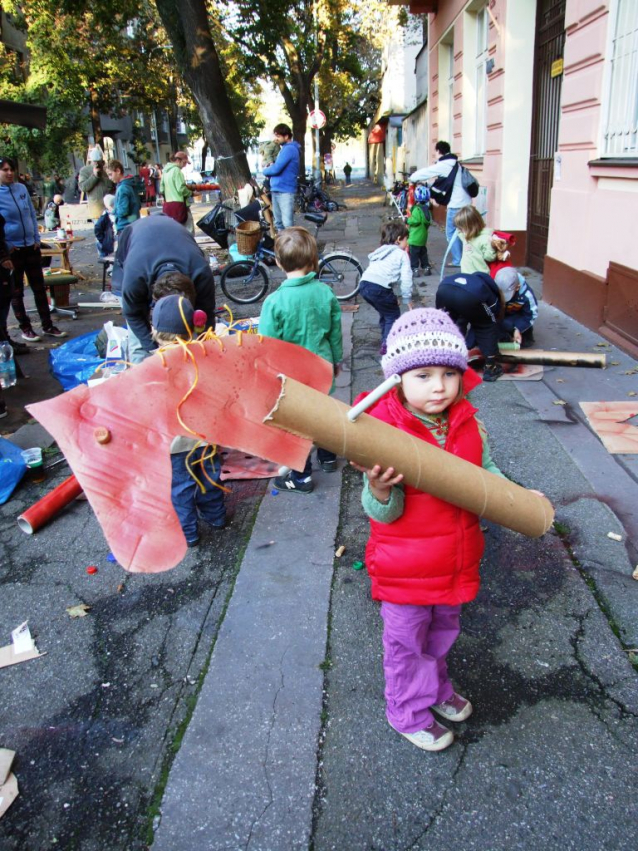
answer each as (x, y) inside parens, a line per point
(139, 722)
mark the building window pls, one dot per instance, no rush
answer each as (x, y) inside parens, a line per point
(620, 132)
(480, 79)
(450, 93)
(445, 117)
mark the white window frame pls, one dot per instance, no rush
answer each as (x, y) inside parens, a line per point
(481, 51)
(619, 128)
(446, 89)
(450, 96)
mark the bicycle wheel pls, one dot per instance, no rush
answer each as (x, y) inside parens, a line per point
(342, 272)
(244, 282)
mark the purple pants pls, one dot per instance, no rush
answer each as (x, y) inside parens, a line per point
(416, 641)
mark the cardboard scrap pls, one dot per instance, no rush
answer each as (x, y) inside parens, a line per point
(8, 794)
(21, 649)
(8, 782)
(610, 422)
(6, 758)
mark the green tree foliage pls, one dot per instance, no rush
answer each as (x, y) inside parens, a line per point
(292, 42)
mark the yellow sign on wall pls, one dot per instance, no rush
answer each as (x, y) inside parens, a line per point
(557, 68)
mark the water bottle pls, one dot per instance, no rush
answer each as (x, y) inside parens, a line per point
(7, 366)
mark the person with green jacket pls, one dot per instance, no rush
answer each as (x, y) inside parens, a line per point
(303, 311)
(419, 223)
(177, 195)
(476, 239)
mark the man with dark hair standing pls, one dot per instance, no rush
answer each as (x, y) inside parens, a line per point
(151, 250)
(283, 175)
(459, 198)
(127, 202)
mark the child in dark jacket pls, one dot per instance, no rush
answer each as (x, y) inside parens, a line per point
(423, 553)
(195, 490)
(521, 307)
(103, 229)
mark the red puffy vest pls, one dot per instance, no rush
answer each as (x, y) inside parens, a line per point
(431, 554)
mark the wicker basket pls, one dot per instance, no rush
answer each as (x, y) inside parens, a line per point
(248, 235)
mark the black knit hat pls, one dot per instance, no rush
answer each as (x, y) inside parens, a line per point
(173, 314)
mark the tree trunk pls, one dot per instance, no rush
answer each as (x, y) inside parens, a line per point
(299, 119)
(186, 22)
(171, 114)
(204, 154)
(96, 124)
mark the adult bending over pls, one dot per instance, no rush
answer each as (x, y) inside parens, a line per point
(149, 250)
(475, 300)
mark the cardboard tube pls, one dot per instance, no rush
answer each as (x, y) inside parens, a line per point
(368, 441)
(539, 356)
(45, 508)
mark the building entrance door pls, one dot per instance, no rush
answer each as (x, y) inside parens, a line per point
(548, 75)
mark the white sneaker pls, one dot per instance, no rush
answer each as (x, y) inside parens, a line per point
(436, 737)
(457, 708)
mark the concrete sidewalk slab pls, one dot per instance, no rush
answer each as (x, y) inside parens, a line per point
(245, 773)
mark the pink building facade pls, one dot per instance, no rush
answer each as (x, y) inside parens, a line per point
(540, 100)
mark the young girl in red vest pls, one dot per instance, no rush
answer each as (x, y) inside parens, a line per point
(423, 553)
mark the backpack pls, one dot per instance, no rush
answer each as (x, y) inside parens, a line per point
(442, 187)
(214, 225)
(469, 182)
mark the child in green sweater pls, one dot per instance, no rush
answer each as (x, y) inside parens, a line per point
(476, 238)
(419, 223)
(303, 311)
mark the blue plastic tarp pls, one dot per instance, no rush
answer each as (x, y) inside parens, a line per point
(75, 362)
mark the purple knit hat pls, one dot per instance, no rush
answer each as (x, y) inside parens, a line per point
(423, 337)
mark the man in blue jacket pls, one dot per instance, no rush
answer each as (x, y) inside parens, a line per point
(23, 239)
(283, 175)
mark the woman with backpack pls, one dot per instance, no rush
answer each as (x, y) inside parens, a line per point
(447, 190)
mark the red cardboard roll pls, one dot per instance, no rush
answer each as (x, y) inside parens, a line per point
(47, 507)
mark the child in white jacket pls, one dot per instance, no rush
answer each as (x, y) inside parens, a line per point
(388, 263)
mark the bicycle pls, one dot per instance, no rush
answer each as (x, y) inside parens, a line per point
(247, 281)
(398, 197)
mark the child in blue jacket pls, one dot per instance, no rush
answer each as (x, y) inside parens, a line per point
(521, 307)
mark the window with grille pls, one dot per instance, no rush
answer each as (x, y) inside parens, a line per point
(620, 133)
(482, 26)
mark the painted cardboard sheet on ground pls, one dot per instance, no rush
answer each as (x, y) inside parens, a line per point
(116, 436)
(609, 420)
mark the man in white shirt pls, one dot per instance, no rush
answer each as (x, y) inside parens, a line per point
(458, 199)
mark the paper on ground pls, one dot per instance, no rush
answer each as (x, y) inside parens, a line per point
(21, 649)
